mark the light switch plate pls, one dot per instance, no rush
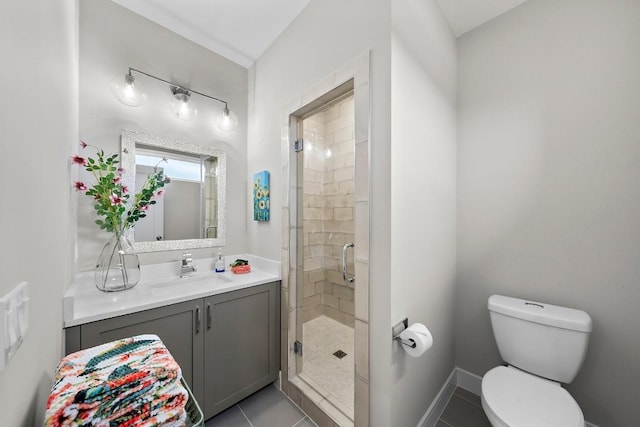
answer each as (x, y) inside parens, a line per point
(14, 322)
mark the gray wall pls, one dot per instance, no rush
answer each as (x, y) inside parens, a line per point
(39, 131)
(548, 172)
(304, 55)
(423, 199)
(181, 215)
(112, 39)
(420, 54)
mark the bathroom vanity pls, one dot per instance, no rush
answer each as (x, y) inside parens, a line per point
(223, 329)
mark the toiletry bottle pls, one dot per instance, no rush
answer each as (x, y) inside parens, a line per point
(219, 264)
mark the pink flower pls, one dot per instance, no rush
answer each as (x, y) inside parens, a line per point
(120, 171)
(79, 160)
(117, 179)
(116, 200)
(160, 193)
(144, 208)
(83, 144)
(80, 186)
(125, 189)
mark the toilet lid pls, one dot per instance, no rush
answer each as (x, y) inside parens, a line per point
(519, 399)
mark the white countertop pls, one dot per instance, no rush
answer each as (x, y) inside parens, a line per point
(161, 285)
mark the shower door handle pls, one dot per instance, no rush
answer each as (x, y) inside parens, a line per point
(345, 276)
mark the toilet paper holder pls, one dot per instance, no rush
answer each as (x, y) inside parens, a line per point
(398, 328)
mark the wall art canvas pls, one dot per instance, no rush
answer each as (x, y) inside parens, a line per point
(261, 196)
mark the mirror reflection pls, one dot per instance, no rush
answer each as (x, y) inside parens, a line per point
(190, 212)
(187, 209)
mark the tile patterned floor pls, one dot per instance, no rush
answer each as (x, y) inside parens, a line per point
(268, 407)
(271, 408)
(331, 376)
(463, 410)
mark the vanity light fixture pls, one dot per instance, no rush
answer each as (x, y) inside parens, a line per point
(129, 92)
(227, 120)
(180, 106)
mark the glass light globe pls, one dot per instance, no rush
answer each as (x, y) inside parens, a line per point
(181, 107)
(227, 120)
(128, 91)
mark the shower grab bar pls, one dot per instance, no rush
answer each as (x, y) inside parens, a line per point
(347, 278)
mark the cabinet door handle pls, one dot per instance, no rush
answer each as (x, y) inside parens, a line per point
(209, 317)
(198, 319)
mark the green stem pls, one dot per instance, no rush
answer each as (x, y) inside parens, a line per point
(125, 273)
(104, 195)
(113, 252)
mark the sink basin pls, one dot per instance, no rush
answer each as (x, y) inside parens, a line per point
(209, 279)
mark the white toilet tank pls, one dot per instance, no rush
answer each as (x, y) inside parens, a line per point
(542, 339)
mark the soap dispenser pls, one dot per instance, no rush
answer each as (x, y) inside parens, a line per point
(219, 264)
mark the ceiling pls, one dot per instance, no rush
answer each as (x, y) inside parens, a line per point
(239, 30)
(465, 15)
(242, 30)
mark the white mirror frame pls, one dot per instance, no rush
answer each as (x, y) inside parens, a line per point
(128, 141)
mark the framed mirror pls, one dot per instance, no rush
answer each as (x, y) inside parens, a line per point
(191, 212)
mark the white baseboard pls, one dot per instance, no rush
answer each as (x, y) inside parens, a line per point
(458, 378)
(431, 417)
(468, 381)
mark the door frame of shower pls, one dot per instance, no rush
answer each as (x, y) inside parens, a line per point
(353, 76)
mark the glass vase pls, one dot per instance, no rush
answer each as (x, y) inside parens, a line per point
(118, 266)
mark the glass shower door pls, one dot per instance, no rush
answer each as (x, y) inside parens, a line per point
(325, 202)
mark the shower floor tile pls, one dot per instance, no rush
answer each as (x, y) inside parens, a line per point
(333, 376)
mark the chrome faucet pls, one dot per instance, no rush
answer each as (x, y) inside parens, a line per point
(187, 265)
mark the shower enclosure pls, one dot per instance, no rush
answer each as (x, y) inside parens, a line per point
(326, 292)
(327, 258)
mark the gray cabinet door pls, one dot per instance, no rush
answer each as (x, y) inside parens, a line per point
(227, 345)
(179, 326)
(242, 348)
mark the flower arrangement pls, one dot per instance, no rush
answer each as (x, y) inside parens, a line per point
(111, 195)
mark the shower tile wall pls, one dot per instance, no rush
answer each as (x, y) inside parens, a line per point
(328, 203)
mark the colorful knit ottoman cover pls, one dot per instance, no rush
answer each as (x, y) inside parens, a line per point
(130, 382)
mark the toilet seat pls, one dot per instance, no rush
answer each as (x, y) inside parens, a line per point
(514, 398)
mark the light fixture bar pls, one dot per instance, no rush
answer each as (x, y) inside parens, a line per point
(180, 86)
(129, 93)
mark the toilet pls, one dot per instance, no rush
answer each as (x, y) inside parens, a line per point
(543, 345)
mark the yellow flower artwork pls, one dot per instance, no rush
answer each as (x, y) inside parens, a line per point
(261, 196)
